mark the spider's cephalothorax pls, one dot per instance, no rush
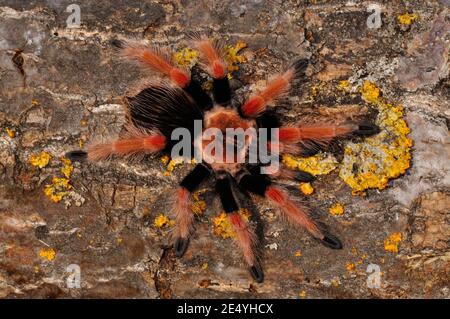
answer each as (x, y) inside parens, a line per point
(161, 107)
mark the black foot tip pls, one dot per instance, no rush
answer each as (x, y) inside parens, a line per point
(257, 273)
(367, 129)
(76, 156)
(300, 65)
(331, 242)
(117, 43)
(304, 177)
(180, 247)
(308, 152)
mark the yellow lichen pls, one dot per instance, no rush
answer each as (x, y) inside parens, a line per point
(223, 227)
(204, 266)
(172, 164)
(407, 18)
(186, 58)
(298, 253)
(306, 188)
(370, 92)
(67, 168)
(302, 294)
(336, 210)
(320, 164)
(379, 158)
(162, 220)
(58, 188)
(343, 85)
(81, 143)
(47, 253)
(35, 102)
(40, 160)
(391, 243)
(232, 56)
(198, 204)
(10, 132)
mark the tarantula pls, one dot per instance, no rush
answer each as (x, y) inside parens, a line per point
(178, 100)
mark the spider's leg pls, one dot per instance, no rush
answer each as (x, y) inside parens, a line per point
(182, 207)
(245, 238)
(133, 143)
(217, 69)
(155, 59)
(323, 132)
(308, 140)
(201, 98)
(287, 174)
(279, 197)
(275, 88)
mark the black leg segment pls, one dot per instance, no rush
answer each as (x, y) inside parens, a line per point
(195, 177)
(223, 188)
(222, 91)
(200, 97)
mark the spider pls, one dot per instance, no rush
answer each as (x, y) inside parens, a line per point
(177, 100)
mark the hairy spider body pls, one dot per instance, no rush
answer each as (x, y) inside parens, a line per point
(161, 107)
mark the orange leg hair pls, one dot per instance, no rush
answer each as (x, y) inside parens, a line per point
(127, 147)
(156, 61)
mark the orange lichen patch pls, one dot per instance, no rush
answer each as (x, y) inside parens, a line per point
(67, 168)
(35, 102)
(11, 133)
(379, 158)
(306, 188)
(391, 243)
(320, 164)
(350, 266)
(223, 227)
(165, 159)
(298, 253)
(47, 253)
(336, 210)
(40, 160)
(407, 18)
(302, 294)
(162, 221)
(58, 188)
(81, 143)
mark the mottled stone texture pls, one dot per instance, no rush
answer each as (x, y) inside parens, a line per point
(58, 86)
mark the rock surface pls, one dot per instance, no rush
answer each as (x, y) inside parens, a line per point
(62, 86)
